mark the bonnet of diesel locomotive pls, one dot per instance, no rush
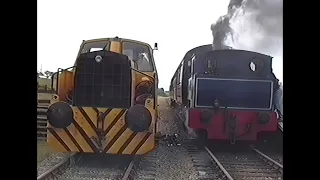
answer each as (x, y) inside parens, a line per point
(235, 80)
(111, 74)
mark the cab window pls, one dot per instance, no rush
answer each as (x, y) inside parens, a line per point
(95, 46)
(140, 54)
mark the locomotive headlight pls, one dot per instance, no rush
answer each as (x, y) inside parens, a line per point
(98, 58)
(138, 118)
(60, 115)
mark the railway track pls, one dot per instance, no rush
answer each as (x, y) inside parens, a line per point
(142, 168)
(236, 164)
(76, 166)
(90, 166)
(56, 166)
(246, 165)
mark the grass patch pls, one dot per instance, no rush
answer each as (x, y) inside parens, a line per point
(43, 150)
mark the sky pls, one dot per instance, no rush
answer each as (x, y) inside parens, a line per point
(177, 26)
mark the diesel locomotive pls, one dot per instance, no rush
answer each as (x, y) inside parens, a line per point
(107, 101)
(225, 94)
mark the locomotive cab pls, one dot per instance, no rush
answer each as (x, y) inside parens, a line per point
(106, 102)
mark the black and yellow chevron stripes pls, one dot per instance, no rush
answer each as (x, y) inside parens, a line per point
(115, 137)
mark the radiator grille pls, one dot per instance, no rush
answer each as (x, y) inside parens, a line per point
(103, 84)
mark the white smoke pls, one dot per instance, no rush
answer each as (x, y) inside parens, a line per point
(255, 25)
(258, 26)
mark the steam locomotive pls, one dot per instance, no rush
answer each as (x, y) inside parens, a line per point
(106, 102)
(225, 94)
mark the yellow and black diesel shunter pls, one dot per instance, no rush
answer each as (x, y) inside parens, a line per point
(106, 102)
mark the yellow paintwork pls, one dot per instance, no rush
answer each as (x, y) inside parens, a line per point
(115, 47)
(83, 123)
(127, 141)
(65, 84)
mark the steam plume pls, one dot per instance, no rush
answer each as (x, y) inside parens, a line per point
(254, 25)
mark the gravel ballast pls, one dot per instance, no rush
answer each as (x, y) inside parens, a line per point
(167, 123)
(172, 162)
(50, 162)
(97, 167)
